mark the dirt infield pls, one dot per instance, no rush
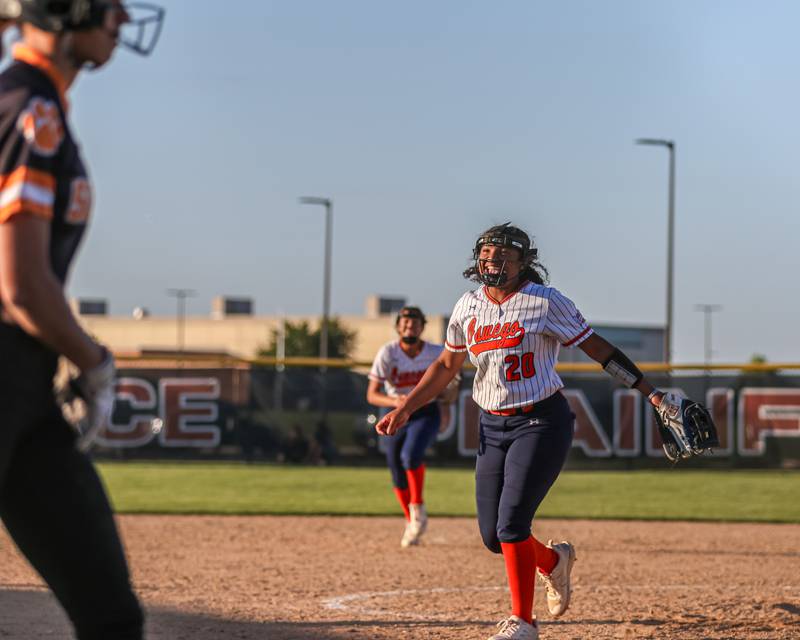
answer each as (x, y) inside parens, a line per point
(334, 578)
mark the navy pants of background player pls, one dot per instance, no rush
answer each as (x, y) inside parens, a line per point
(519, 459)
(405, 450)
(53, 503)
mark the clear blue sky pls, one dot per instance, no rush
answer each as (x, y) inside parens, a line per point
(425, 122)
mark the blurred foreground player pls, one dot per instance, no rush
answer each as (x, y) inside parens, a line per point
(51, 499)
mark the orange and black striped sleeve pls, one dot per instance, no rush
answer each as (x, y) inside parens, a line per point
(31, 132)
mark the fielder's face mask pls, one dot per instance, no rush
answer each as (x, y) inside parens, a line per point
(140, 27)
(143, 28)
(499, 277)
(139, 23)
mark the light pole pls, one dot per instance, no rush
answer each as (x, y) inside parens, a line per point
(670, 145)
(326, 293)
(180, 296)
(326, 280)
(280, 367)
(707, 310)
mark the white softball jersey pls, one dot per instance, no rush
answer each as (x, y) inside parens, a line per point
(514, 343)
(399, 372)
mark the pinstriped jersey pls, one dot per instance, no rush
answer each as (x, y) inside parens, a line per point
(41, 170)
(514, 343)
(398, 372)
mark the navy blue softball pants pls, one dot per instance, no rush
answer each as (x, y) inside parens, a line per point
(519, 459)
(406, 448)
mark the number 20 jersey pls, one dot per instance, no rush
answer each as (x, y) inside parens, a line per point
(514, 343)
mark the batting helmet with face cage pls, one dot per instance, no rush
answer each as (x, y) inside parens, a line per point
(56, 16)
(502, 235)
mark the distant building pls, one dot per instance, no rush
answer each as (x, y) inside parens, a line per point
(90, 306)
(232, 328)
(377, 306)
(639, 343)
(226, 306)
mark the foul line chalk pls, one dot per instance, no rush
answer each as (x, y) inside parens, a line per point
(350, 602)
(345, 603)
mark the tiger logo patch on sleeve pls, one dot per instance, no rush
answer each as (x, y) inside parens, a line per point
(41, 125)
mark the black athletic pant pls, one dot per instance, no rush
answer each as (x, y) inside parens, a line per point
(519, 459)
(53, 503)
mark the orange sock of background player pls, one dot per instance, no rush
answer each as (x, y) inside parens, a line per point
(404, 497)
(546, 558)
(520, 560)
(416, 480)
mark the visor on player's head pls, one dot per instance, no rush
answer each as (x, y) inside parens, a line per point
(410, 312)
(140, 34)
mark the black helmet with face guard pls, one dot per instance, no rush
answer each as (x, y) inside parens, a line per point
(505, 235)
(140, 32)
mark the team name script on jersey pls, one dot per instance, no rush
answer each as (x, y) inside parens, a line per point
(405, 378)
(493, 336)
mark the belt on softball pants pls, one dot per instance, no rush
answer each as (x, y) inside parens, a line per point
(516, 411)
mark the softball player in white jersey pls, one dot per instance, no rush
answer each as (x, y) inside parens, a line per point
(512, 328)
(398, 367)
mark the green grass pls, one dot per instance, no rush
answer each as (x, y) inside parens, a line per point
(758, 496)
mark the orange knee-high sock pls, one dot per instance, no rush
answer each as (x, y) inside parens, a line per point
(546, 558)
(404, 497)
(416, 481)
(520, 560)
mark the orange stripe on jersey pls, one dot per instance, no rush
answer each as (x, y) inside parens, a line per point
(30, 208)
(455, 347)
(31, 176)
(26, 190)
(31, 56)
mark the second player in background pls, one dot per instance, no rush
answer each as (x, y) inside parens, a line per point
(397, 368)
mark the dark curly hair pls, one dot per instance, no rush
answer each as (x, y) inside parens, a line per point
(532, 269)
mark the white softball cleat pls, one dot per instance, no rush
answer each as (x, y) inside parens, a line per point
(419, 519)
(514, 628)
(409, 537)
(557, 584)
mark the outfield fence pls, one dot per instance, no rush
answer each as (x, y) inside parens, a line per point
(309, 410)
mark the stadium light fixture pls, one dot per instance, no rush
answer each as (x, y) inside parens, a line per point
(326, 290)
(670, 146)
